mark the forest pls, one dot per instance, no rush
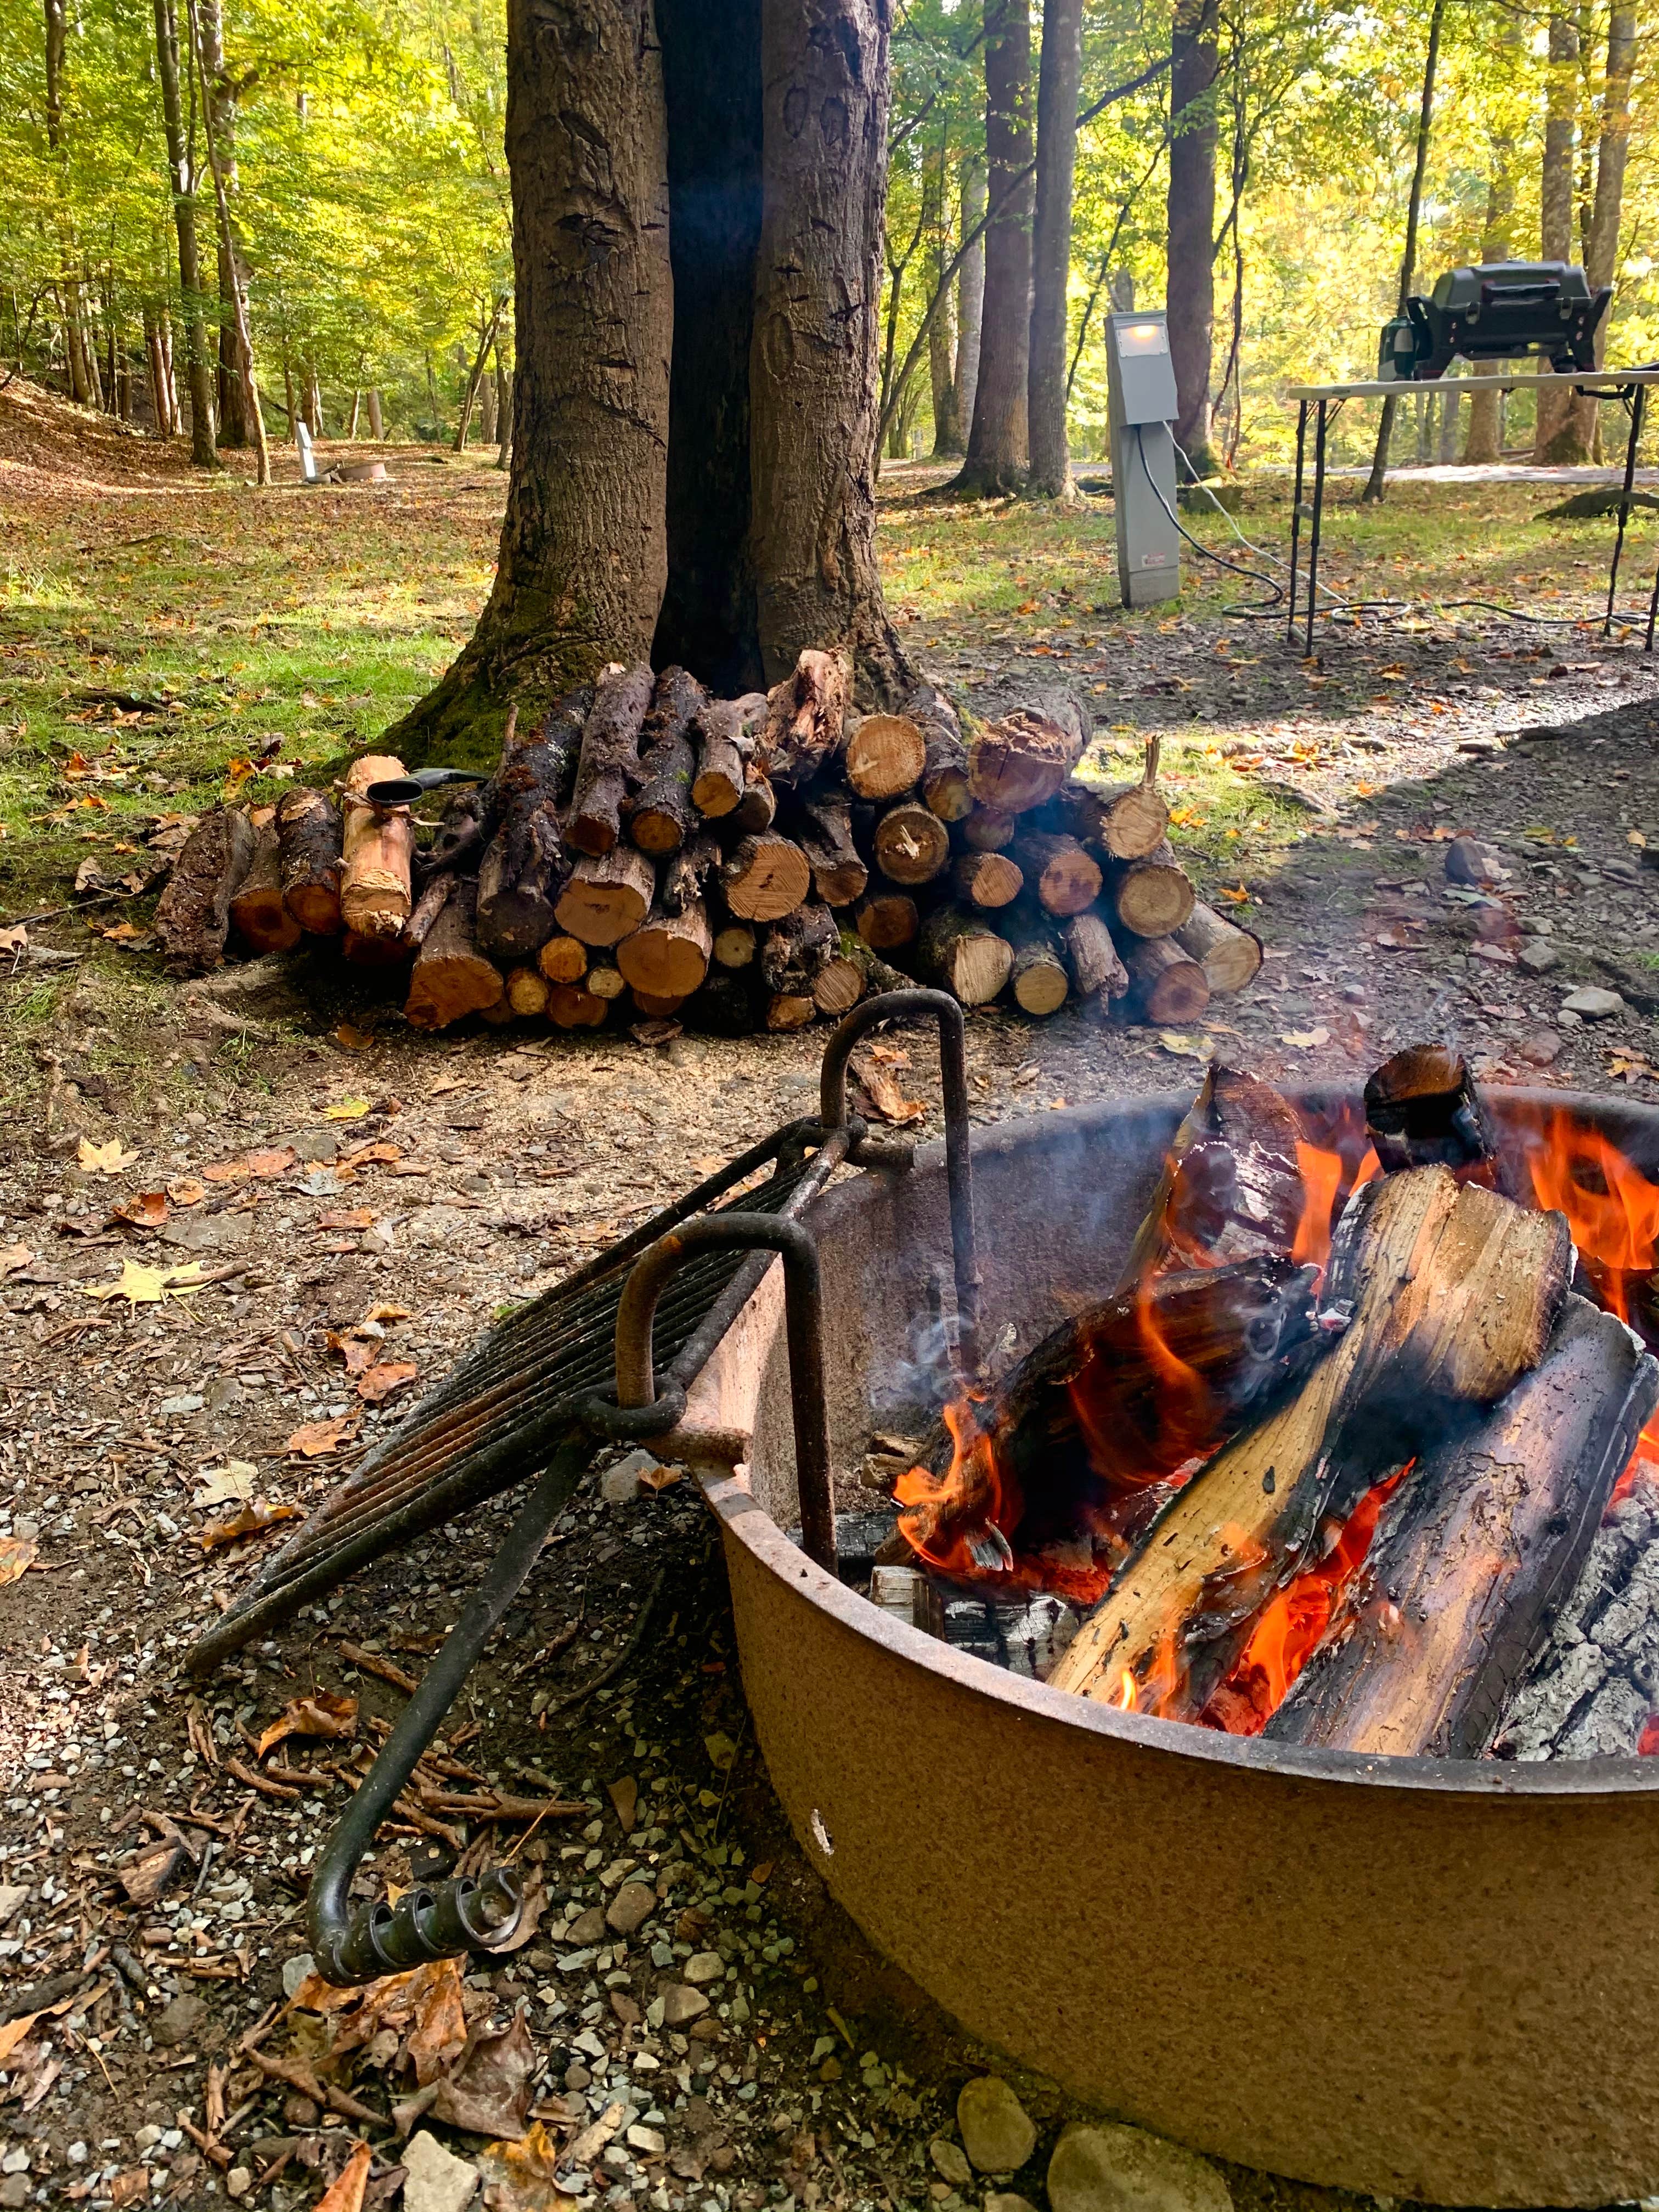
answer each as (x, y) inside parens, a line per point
(326, 185)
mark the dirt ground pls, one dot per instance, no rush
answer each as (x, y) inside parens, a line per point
(362, 1202)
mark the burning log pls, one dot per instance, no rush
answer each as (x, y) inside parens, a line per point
(609, 769)
(1455, 1292)
(1232, 1186)
(1230, 956)
(451, 977)
(912, 845)
(971, 961)
(1059, 872)
(1152, 897)
(944, 757)
(824, 834)
(375, 893)
(564, 960)
(886, 920)
(192, 917)
(607, 899)
(1167, 986)
(1483, 1538)
(1022, 759)
(986, 879)
(886, 754)
(661, 815)
(309, 836)
(526, 865)
(765, 877)
(1097, 972)
(725, 731)
(258, 912)
(804, 715)
(1421, 1111)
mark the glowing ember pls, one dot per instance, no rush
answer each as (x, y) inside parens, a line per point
(1648, 1741)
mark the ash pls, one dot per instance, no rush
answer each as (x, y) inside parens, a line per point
(1596, 1684)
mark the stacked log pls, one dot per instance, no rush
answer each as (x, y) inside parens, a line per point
(759, 861)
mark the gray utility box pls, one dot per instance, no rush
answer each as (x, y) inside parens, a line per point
(1140, 391)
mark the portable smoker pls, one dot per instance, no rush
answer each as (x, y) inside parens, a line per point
(1501, 311)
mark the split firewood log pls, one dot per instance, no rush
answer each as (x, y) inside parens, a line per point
(886, 920)
(1164, 985)
(851, 973)
(725, 731)
(661, 815)
(1230, 956)
(1455, 1294)
(1017, 762)
(735, 943)
(823, 831)
(1231, 1186)
(563, 959)
(1152, 897)
(959, 952)
(790, 1010)
(257, 912)
(1038, 977)
(1422, 1109)
(804, 718)
(526, 991)
(451, 977)
(426, 910)
(944, 757)
(608, 771)
(765, 877)
(1060, 873)
(986, 879)
(526, 865)
(606, 899)
(1086, 1430)
(667, 956)
(989, 829)
(192, 917)
(1126, 821)
(375, 886)
(1474, 1552)
(1097, 972)
(884, 756)
(310, 836)
(571, 1006)
(911, 844)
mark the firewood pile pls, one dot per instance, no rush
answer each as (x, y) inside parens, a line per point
(758, 862)
(1330, 1465)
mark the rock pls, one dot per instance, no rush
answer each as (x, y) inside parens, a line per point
(435, 2180)
(633, 1904)
(1539, 1049)
(997, 2132)
(587, 1927)
(267, 984)
(950, 2161)
(294, 1971)
(1479, 745)
(317, 1147)
(13, 1896)
(177, 2023)
(648, 2140)
(1469, 861)
(1004, 2200)
(620, 1485)
(238, 2181)
(1592, 1004)
(680, 2004)
(15, 2189)
(1106, 2168)
(1536, 957)
(704, 1966)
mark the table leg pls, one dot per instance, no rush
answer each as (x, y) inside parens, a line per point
(1318, 517)
(1635, 399)
(1295, 515)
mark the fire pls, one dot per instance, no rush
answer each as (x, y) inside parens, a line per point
(1645, 1454)
(1160, 1691)
(1323, 1173)
(1612, 1208)
(949, 1520)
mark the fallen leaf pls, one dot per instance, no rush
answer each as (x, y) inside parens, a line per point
(885, 1096)
(148, 1210)
(346, 1109)
(317, 1437)
(1239, 897)
(346, 2195)
(252, 1521)
(368, 1156)
(488, 2090)
(1185, 1047)
(227, 1171)
(325, 1712)
(186, 1191)
(145, 1877)
(127, 932)
(625, 1796)
(380, 1382)
(102, 1159)
(14, 1257)
(722, 1752)
(149, 1286)
(357, 1352)
(13, 2032)
(1305, 1040)
(15, 938)
(17, 1555)
(269, 1165)
(660, 1478)
(347, 1217)
(528, 2171)
(441, 2024)
(354, 1039)
(221, 1486)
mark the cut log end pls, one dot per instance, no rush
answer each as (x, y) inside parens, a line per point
(450, 978)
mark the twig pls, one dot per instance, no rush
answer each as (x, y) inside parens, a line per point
(266, 1788)
(637, 1637)
(320, 2093)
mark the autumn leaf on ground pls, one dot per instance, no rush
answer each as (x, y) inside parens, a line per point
(17, 1555)
(1239, 897)
(148, 1210)
(223, 1486)
(885, 1096)
(252, 1521)
(15, 938)
(318, 1438)
(346, 1109)
(441, 2024)
(349, 1217)
(368, 1156)
(346, 2195)
(102, 1159)
(186, 1190)
(357, 1352)
(324, 1713)
(1185, 1047)
(380, 1382)
(353, 1039)
(489, 2090)
(1305, 1040)
(149, 1286)
(270, 1164)
(227, 1171)
(528, 2171)
(14, 1257)
(382, 1314)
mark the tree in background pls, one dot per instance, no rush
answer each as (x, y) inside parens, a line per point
(1059, 80)
(1414, 216)
(1483, 444)
(1190, 291)
(997, 438)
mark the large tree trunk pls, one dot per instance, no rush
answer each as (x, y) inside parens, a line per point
(942, 333)
(812, 381)
(1408, 258)
(1190, 297)
(235, 426)
(1612, 149)
(1483, 444)
(971, 295)
(182, 186)
(1557, 440)
(1058, 86)
(997, 442)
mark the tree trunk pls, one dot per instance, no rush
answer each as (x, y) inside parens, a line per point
(244, 351)
(942, 333)
(1058, 85)
(997, 442)
(1612, 149)
(182, 185)
(1556, 438)
(812, 381)
(1190, 293)
(1485, 438)
(970, 296)
(1408, 257)
(220, 117)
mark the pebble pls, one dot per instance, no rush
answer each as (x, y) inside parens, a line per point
(1535, 958)
(295, 1972)
(1540, 1048)
(1005, 2200)
(1106, 2168)
(179, 2021)
(1469, 861)
(704, 1966)
(680, 2004)
(1592, 1004)
(620, 1485)
(997, 2132)
(950, 2161)
(436, 2179)
(633, 1904)
(587, 1927)
(647, 2139)
(239, 2180)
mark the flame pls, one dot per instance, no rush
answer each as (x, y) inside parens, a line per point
(1159, 1691)
(1648, 1742)
(1645, 1454)
(1323, 1173)
(943, 1514)
(1612, 1208)
(1289, 1629)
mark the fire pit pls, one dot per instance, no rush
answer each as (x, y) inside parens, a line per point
(1426, 1977)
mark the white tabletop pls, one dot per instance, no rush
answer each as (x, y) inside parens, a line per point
(1505, 380)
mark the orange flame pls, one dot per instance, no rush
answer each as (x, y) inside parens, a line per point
(976, 1492)
(1160, 1691)
(1322, 1173)
(1612, 1208)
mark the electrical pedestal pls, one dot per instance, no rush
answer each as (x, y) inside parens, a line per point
(1141, 403)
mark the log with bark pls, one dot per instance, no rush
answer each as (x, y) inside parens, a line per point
(309, 836)
(192, 917)
(852, 972)
(757, 810)
(989, 829)
(805, 718)
(1164, 985)
(572, 1006)
(886, 920)
(451, 977)
(884, 756)
(1230, 956)
(1038, 976)
(463, 832)
(988, 880)
(606, 899)
(1232, 1185)
(258, 912)
(608, 771)
(375, 884)
(425, 911)
(526, 865)
(765, 877)
(1024, 759)
(964, 955)
(1098, 970)
(1125, 821)
(1063, 877)
(1422, 1109)
(1455, 1294)
(1152, 897)
(945, 784)
(795, 948)
(912, 845)
(526, 991)
(1474, 1552)
(662, 815)
(725, 731)
(824, 830)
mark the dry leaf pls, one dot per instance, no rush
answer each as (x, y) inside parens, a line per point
(1185, 1047)
(227, 1484)
(17, 1555)
(354, 1039)
(15, 938)
(268, 1165)
(149, 1286)
(488, 2090)
(346, 1109)
(660, 1478)
(441, 2024)
(884, 1095)
(348, 1217)
(102, 1159)
(325, 1712)
(346, 2195)
(252, 1521)
(127, 932)
(368, 1156)
(186, 1190)
(148, 1210)
(13, 2032)
(380, 1382)
(1305, 1040)
(528, 2171)
(384, 1313)
(227, 1171)
(14, 1257)
(144, 1878)
(317, 1437)
(357, 1352)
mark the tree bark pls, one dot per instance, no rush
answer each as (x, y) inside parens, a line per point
(662, 815)
(222, 163)
(971, 295)
(812, 380)
(942, 333)
(263, 921)
(375, 895)
(961, 952)
(192, 916)
(1059, 78)
(1374, 486)
(1484, 443)
(1611, 154)
(610, 769)
(203, 451)
(1190, 297)
(727, 730)
(997, 438)
(1556, 440)
(220, 102)
(526, 865)
(309, 838)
